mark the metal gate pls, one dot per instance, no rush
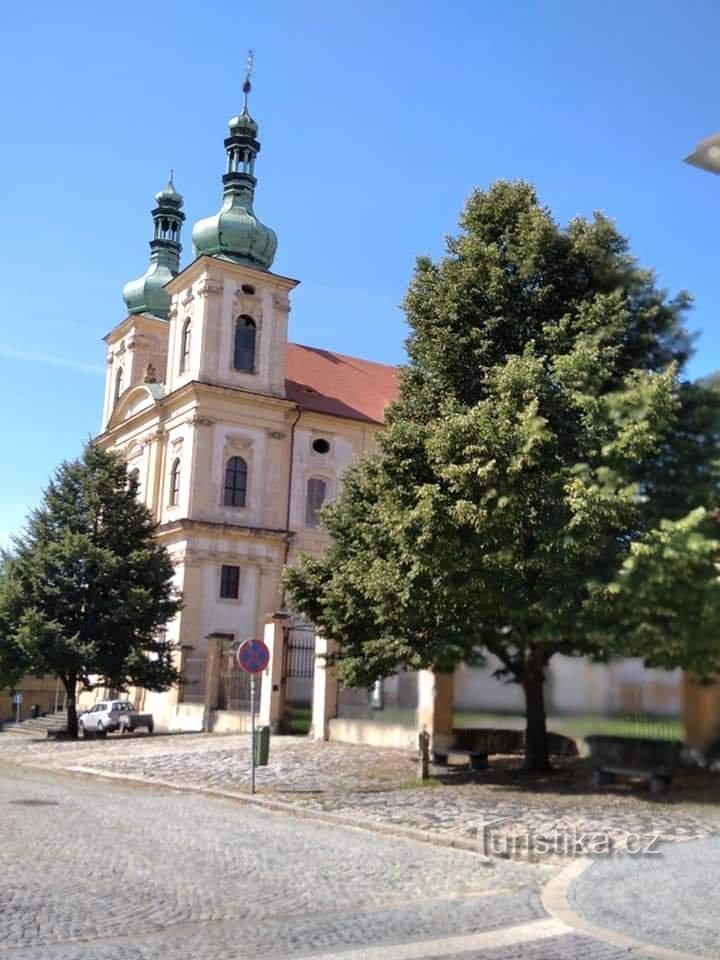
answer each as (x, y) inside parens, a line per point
(298, 665)
(233, 683)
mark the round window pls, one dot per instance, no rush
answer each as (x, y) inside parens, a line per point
(248, 289)
(321, 445)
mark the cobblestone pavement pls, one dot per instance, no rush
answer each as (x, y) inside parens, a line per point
(370, 786)
(106, 871)
(670, 900)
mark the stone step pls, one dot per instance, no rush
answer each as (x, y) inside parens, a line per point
(38, 725)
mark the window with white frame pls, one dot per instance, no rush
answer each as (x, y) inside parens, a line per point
(185, 345)
(174, 498)
(314, 500)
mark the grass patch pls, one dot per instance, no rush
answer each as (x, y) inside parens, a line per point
(297, 720)
(577, 727)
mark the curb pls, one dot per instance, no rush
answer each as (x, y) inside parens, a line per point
(555, 900)
(282, 807)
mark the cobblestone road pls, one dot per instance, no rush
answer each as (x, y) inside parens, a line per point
(98, 871)
(366, 785)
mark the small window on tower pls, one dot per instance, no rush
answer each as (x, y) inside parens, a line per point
(174, 498)
(229, 582)
(119, 384)
(321, 445)
(185, 346)
(248, 289)
(245, 334)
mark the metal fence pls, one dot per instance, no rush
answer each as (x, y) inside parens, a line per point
(234, 684)
(193, 671)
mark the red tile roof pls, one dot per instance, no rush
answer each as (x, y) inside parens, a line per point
(341, 386)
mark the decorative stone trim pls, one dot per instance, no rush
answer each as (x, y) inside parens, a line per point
(275, 434)
(208, 288)
(281, 303)
(197, 421)
(152, 436)
(237, 442)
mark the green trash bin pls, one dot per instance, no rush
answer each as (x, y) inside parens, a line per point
(262, 746)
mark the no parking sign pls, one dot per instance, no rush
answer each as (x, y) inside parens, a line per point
(253, 656)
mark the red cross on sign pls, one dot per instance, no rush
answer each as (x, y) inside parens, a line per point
(253, 656)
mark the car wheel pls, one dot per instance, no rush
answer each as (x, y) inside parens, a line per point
(100, 730)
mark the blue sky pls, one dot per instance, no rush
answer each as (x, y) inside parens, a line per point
(376, 121)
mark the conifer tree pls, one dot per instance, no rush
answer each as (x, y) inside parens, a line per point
(88, 589)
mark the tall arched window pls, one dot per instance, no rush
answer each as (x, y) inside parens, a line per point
(119, 377)
(235, 482)
(185, 346)
(245, 335)
(175, 483)
(316, 496)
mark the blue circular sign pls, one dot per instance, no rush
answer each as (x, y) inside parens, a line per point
(253, 656)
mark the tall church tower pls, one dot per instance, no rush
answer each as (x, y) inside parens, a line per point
(236, 437)
(196, 401)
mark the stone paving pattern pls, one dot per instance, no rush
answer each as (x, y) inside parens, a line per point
(367, 785)
(95, 870)
(671, 899)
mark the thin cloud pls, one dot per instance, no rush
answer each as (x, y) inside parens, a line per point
(43, 358)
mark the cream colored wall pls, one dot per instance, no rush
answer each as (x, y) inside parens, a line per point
(348, 439)
(135, 343)
(202, 423)
(210, 293)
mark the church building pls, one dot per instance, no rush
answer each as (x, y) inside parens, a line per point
(236, 435)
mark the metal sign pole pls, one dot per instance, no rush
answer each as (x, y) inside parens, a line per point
(252, 729)
(17, 715)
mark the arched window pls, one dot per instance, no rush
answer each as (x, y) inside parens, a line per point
(119, 377)
(244, 354)
(185, 346)
(175, 483)
(235, 482)
(316, 496)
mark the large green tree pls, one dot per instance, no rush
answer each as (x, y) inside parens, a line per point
(547, 480)
(88, 589)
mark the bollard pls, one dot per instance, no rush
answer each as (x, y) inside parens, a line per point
(262, 746)
(423, 755)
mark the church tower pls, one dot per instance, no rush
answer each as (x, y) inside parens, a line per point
(236, 437)
(228, 321)
(137, 347)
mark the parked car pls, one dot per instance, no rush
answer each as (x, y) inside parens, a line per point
(109, 715)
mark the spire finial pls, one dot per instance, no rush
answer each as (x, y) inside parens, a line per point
(247, 86)
(170, 178)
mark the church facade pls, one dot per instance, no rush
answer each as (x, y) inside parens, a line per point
(236, 436)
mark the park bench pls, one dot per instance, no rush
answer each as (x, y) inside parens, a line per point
(659, 779)
(636, 758)
(474, 759)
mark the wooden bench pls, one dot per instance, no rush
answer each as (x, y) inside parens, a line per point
(474, 760)
(660, 779)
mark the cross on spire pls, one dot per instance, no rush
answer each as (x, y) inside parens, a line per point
(247, 86)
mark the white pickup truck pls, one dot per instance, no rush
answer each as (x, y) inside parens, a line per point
(109, 715)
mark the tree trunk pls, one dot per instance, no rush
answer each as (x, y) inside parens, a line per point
(70, 684)
(537, 758)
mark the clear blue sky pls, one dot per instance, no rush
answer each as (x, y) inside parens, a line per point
(376, 120)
